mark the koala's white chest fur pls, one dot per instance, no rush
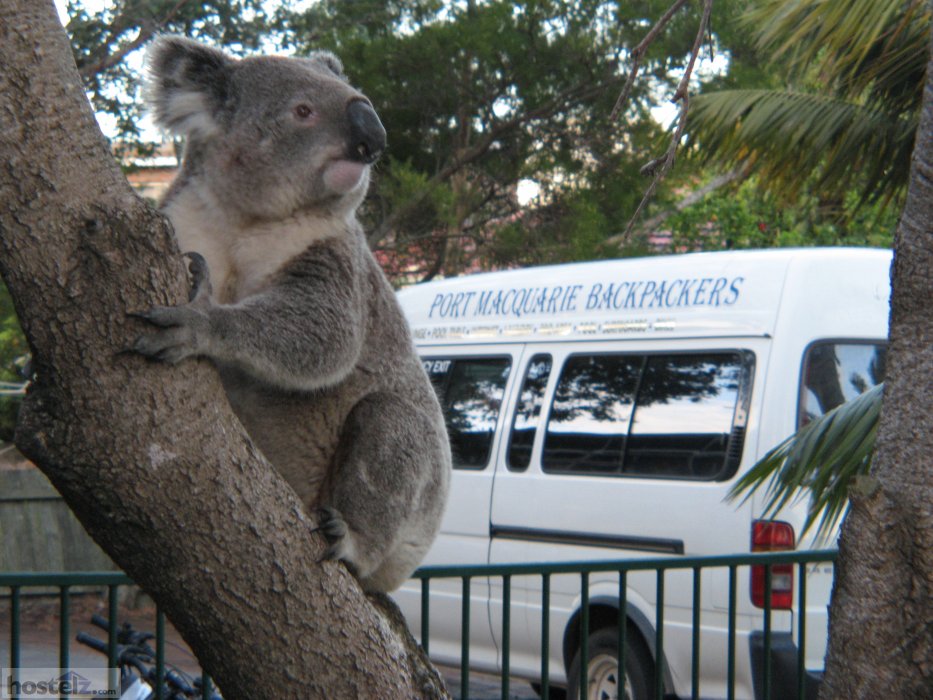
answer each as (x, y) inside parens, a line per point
(242, 256)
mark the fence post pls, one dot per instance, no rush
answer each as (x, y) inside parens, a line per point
(622, 623)
(425, 614)
(584, 633)
(64, 628)
(659, 638)
(545, 636)
(465, 640)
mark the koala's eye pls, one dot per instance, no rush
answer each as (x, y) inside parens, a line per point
(303, 111)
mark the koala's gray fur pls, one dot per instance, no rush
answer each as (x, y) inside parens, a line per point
(310, 343)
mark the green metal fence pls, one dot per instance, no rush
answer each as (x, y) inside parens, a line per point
(623, 568)
(16, 583)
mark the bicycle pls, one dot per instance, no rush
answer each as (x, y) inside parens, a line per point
(136, 660)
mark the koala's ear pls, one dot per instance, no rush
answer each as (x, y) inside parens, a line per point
(329, 61)
(187, 85)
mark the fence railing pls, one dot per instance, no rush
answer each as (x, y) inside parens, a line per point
(16, 583)
(622, 568)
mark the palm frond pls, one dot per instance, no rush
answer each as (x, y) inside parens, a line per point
(852, 43)
(863, 64)
(790, 134)
(822, 458)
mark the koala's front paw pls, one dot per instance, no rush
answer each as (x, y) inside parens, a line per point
(334, 529)
(181, 332)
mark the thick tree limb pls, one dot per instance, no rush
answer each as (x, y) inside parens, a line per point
(881, 620)
(150, 457)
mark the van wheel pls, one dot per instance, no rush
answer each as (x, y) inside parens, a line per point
(602, 672)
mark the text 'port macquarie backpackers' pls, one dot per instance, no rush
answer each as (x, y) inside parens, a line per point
(544, 300)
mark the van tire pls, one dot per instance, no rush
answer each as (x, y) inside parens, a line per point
(603, 664)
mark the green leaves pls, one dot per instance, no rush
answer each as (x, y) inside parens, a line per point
(868, 48)
(854, 76)
(823, 458)
(788, 134)
(478, 96)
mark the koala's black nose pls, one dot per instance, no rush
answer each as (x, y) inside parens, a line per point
(367, 135)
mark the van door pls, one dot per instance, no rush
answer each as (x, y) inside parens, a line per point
(613, 452)
(472, 384)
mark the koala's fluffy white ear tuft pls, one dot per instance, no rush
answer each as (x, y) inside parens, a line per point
(186, 85)
(330, 61)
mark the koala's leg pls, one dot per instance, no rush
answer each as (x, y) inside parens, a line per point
(388, 487)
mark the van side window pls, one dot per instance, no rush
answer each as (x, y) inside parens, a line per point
(668, 416)
(470, 391)
(528, 411)
(684, 416)
(590, 414)
(835, 372)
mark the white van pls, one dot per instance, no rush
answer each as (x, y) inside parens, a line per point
(603, 411)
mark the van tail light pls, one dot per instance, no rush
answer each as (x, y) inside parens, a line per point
(773, 536)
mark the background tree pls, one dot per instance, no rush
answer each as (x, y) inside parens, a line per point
(747, 213)
(480, 96)
(150, 457)
(521, 78)
(842, 120)
(103, 39)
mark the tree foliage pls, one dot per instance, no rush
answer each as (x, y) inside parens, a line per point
(822, 460)
(845, 117)
(748, 215)
(103, 41)
(13, 355)
(477, 97)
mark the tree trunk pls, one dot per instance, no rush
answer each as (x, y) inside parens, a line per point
(150, 457)
(881, 619)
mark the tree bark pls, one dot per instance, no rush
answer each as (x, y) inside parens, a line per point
(150, 457)
(881, 618)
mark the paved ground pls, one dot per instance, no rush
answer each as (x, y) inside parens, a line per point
(40, 631)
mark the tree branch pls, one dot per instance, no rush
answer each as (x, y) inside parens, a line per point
(687, 200)
(147, 30)
(150, 457)
(637, 54)
(661, 166)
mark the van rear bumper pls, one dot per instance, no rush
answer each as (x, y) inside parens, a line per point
(783, 668)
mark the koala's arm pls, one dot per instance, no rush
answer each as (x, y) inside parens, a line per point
(304, 331)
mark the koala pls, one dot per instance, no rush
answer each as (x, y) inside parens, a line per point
(289, 304)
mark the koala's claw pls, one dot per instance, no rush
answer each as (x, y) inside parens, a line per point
(160, 346)
(179, 333)
(200, 276)
(333, 527)
(160, 316)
